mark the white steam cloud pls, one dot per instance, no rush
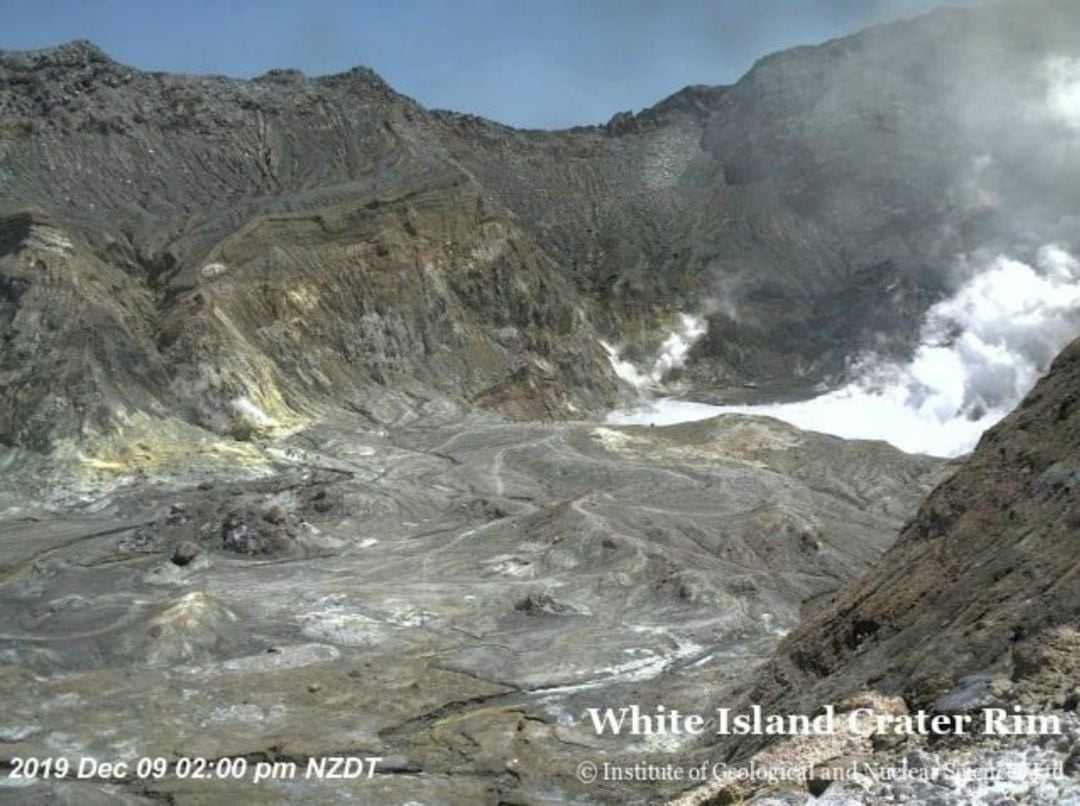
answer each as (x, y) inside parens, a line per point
(980, 352)
(1063, 95)
(677, 346)
(673, 353)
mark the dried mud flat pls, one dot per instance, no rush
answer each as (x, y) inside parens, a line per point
(449, 598)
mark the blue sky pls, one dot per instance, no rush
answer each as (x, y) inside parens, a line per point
(543, 64)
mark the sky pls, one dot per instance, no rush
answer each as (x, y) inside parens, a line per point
(547, 64)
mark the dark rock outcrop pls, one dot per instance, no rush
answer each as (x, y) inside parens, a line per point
(983, 580)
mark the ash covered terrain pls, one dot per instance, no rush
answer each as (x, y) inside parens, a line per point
(304, 392)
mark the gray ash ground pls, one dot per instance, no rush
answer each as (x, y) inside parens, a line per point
(450, 598)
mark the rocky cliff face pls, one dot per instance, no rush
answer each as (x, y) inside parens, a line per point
(242, 255)
(816, 207)
(974, 607)
(299, 243)
(978, 582)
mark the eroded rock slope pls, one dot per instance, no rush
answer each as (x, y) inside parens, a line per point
(209, 231)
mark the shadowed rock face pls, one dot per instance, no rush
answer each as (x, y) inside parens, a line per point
(812, 210)
(975, 606)
(977, 581)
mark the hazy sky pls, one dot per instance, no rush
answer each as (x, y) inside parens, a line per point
(544, 63)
